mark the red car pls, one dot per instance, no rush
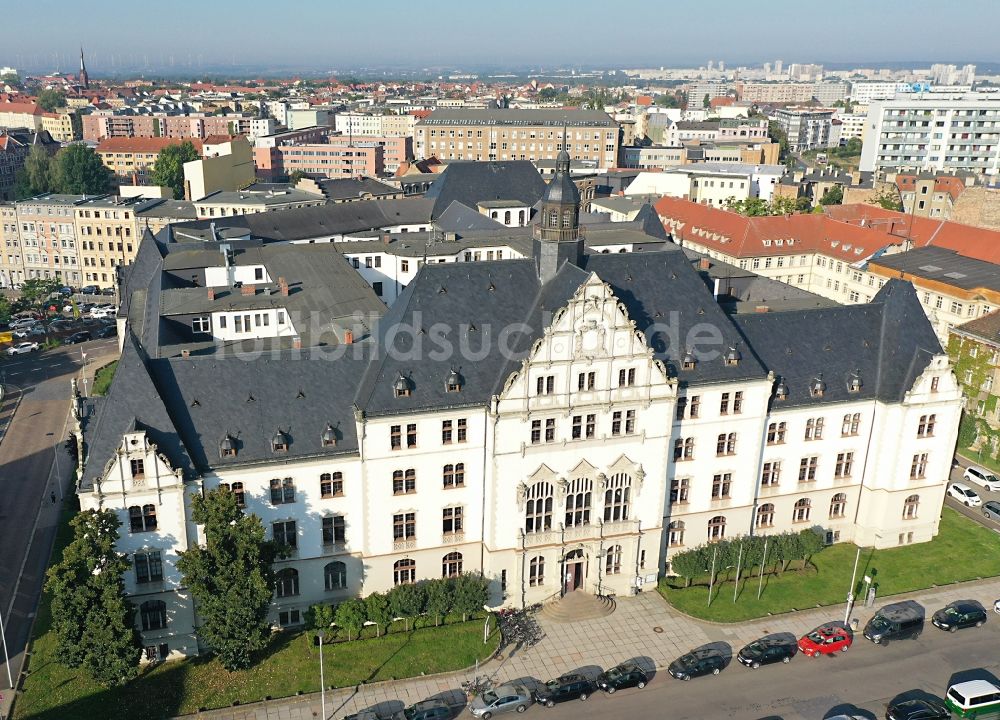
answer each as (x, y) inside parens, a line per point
(825, 640)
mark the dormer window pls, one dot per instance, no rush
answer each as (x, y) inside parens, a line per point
(733, 357)
(781, 390)
(454, 382)
(854, 382)
(817, 387)
(329, 436)
(688, 362)
(279, 443)
(401, 388)
(227, 448)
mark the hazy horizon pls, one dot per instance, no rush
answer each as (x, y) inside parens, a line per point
(253, 35)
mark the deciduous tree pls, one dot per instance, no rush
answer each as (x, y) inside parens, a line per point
(378, 611)
(440, 597)
(168, 170)
(78, 170)
(50, 100)
(230, 578)
(471, 594)
(351, 616)
(406, 601)
(92, 619)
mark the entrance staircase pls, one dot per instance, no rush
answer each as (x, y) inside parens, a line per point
(577, 605)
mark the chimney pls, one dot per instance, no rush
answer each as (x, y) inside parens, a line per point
(386, 238)
(248, 290)
(185, 353)
(211, 293)
(283, 285)
(296, 343)
(762, 309)
(348, 337)
(704, 264)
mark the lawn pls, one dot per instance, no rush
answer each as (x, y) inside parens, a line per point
(102, 378)
(963, 550)
(290, 665)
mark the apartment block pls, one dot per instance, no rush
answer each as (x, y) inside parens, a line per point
(806, 128)
(101, 125)
(11, 262)
(320, 160)
(464, 134)
(108, 235)
(395, 150)
(131, 159)
(933, 133)
(48, 237)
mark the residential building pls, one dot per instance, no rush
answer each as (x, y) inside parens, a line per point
(107, 234)
(929, 195)
(711, 184)
(852, 125)
(320, 160)
(932, 133)
(581, 466)
(131, 159)
(228, 166)
(154, 214)
(63, 126)
(113, 124)
(48, 237)
(652, 157)
(15, 144)
(806, 128)
(20, 115)
(249, 201)
(300, 118)
(396, 150)
(766, 93)
(974, 347)
(464, 134)
(341, 190)
(11, 260)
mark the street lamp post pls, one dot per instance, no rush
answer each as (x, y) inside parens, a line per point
(84, 356)
(850, 591)
(322, 679)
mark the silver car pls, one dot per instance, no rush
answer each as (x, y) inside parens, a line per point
(505, 698)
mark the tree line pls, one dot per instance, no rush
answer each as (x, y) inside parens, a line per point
(746, 553)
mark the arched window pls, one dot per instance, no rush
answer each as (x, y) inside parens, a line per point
(838, 505)
(765, 515)
(287, 582)
(676, 533)
(142, 519)
(506, 217)
(404, 571)
(617, 497)
(717, 528)
(153, 615)
(331, 485)
(451, 565)
(800, 512)
(910, 506)
(454, 475)
(613, 563)
(536, 571)
(335, 575)
(538, 516)
(578, 496)
(520, 218)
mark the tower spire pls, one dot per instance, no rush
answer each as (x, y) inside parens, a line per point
(84, 78)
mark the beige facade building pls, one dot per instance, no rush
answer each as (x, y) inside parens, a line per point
(464, 134)
(11, 263)
(131, 159)
(48, 237)
(108, 234)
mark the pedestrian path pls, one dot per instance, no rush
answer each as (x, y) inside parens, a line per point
(644, 628)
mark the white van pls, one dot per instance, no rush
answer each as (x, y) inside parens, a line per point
(983, 477)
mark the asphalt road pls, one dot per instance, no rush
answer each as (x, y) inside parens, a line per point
(860, 682)
(27, 454)
(975, 513)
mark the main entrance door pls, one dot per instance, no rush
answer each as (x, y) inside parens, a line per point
(576, 570)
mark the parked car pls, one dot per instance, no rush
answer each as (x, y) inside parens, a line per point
(503, 699)
(917, 709)
(22, 322)
(23, 348)
(626, 675)
(974, 698)
(108, 291)
(703, 661)
(982, 477)
(996, 607)
(99, 313)
(959, 614)
(424, 710)
(991, 509)
(106, 332)
(899, 621)
(964, 494)
(767, 650)
(27, 330)
(67, 308)
(77, 337)
(571, 686)
(366, 715)
(66, 291)
(89, 290)
(825, 640)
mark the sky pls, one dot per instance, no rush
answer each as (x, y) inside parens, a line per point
(334, 34)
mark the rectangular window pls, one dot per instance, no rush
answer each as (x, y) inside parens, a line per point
(845, 463)
(724, 404)
(395, 437)
(694, 406)
(446, 432)
(586, 381)
(616, 422)
(771, 473)
(721, 485)
(377, 288)
(684, 449)
(334, 530)
(550, 430)
(626, 377)
(331, 485)
(451, 520)
(404, 482)
(629, 422)
(138, 468)
(679, 490)
(738, 402)
(545, 385)
(591, 426)
(807, 468)
(201, 324)
(404, 526)
(411, 435)
(462, 431)
(536, 432)
(282, 491)
(918, 468)
(284, 533)
(577, 430)
(681, 407)
(148, 567)
(454, 475)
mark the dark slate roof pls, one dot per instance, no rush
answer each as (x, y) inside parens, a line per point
(133, 403)
(888, 342)
(458, 217)
(944, 266)
(354, 188)
(298, 393)
(471, 182)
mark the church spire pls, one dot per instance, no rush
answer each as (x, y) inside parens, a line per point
(84, 78)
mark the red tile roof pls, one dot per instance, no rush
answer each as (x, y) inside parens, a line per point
(143, 145)
(943, 183)
(26, 108)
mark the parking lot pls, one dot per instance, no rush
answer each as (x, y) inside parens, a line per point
(975, 513)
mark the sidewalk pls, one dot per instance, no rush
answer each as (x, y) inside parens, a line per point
(642, 627)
